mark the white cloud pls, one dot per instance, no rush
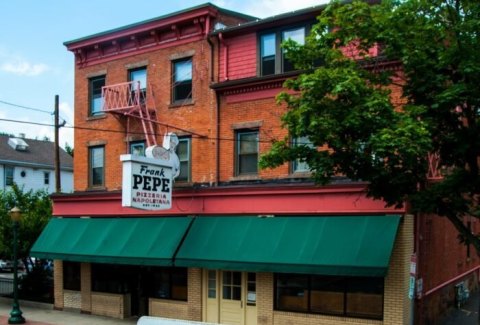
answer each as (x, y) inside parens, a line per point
(24, 68)
(66, 112)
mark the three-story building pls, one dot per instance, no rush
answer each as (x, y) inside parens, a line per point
(240, 245)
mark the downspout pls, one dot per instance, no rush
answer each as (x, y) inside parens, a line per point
(217, 109)
(225, 55)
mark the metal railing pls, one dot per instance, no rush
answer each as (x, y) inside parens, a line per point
(123, 96)
(6, 287)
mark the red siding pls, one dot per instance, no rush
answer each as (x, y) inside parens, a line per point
(241, 57)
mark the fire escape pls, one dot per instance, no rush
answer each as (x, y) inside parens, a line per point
(129, 100)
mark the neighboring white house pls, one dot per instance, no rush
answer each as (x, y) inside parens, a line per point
(30, 164)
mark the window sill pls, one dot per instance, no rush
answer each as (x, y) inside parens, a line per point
(251, 177)
(96, 117)
(183, 184)
(182, 103)
(96, 188)
(300, 175)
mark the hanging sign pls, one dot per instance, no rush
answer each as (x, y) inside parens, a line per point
(147, 183)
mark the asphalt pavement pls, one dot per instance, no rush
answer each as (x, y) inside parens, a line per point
(467, 314)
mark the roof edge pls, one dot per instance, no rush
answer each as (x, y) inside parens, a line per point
(169, 15)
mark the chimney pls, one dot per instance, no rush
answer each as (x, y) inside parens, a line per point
(21, 135)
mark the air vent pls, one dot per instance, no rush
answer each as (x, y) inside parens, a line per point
(18, 144)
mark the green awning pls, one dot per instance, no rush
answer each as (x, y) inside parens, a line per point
(135, 241)
(333, 245)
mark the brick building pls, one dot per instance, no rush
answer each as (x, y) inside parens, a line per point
(239, 245)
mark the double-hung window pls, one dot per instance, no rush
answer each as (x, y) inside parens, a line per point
(297, 35)
(272, 56)
(246, 155)
(95, 89)
(97, 166)
(268, 50)
(183, 153)
(300, 165)
(138, 78)
(182, 81)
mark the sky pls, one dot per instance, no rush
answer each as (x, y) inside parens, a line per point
(35, 65)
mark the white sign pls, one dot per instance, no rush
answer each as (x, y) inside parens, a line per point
(147, 183)
(411, 288)
(413, 265)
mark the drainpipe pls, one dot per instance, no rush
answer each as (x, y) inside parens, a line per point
(217, 111)
(225, 55)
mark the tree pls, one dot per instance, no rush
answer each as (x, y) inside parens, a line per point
(346, 107)
(68, 149)
(36, 210)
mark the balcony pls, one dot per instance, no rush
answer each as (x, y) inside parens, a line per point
(123, 97)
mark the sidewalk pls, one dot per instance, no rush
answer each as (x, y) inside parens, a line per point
(467, 315)
(44, 314)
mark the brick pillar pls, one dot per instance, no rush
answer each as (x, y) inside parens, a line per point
(397, 306)
(58, 284)
(86, 287)
(195, 294)
(264, 298)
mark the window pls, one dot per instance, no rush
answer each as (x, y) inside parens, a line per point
(137, 148)
(71, 275)
(9, 175)
(182, 80)
(272, 56)
(251, 289)
(297, 35)
(97, 162)
(212, 284)
(343, 296)
(268, 53)
(138, 76)
(246, 152)
(170, 283)
(299, 165)
(112, 278)
(232, 285)
(183, 153)
(46, 178)
(95, 89)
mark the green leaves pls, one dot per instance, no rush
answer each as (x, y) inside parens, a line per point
(36, 210)
(366, 132)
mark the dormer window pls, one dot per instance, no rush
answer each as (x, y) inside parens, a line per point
(18, 144)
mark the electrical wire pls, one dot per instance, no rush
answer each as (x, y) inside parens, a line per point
(123, 132)
(30, 108)
(26, 107)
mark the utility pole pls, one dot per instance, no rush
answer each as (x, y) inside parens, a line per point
(57, 150)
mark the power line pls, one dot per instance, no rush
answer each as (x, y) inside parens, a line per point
(26, 107)
(30, 108)
(123, 132)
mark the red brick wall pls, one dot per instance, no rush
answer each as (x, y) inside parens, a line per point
(197, 117)
(264, 112)
(441, 258)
